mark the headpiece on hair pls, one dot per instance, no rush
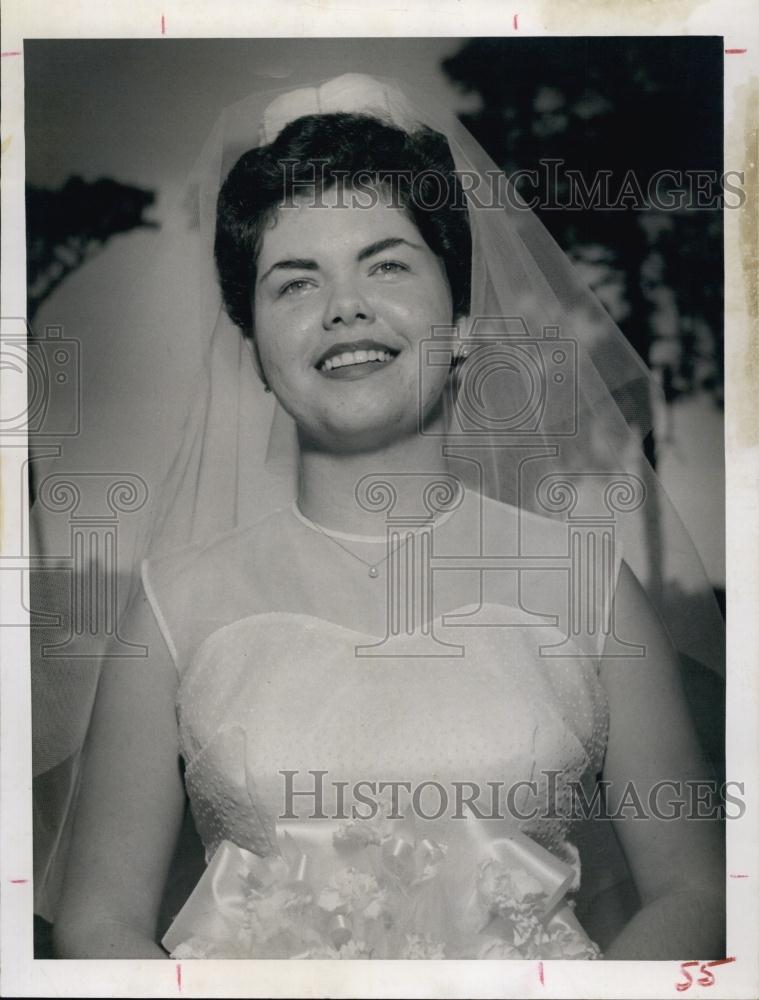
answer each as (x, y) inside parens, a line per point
(351, 92)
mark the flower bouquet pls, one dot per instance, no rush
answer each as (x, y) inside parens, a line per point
(375, 889)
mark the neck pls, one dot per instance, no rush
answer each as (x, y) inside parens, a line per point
(327, 482)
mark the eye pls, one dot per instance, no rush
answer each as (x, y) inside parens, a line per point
(295, 286)
(389, 267)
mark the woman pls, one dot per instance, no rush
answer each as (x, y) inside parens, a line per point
(396, 622)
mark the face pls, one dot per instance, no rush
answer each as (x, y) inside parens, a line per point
(343, 297)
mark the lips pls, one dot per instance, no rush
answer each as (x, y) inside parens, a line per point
(355, 359)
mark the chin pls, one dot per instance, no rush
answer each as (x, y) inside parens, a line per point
(368, 435)
(360, 441)
(371, 425)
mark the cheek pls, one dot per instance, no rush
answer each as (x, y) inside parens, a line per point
(436, 304)
(432, 383)
(416, 314)
(278, 339)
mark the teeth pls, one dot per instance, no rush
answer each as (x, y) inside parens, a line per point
(355, 358)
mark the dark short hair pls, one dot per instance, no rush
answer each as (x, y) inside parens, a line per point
(325, 149)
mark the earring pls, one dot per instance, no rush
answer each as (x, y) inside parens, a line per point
(460, 356)
(267, 388)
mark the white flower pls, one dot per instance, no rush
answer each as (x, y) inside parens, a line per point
(355, 949)
(509, 891)
(498, 948)
(330, 900)
(191, 948)
(355, 885)
(359, 833)
(422, 946)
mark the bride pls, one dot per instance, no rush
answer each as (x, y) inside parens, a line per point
(385, 652)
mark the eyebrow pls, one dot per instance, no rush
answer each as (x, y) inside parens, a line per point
(306, 264)
(387, 244)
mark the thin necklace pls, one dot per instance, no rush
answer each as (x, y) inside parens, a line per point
(373, 567)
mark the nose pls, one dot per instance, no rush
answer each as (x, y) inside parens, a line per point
(346, 306)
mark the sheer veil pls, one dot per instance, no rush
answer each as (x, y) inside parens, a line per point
(551, 408)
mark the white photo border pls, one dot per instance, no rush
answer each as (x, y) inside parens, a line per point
(738, 23)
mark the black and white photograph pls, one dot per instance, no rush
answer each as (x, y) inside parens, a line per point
(374, 466)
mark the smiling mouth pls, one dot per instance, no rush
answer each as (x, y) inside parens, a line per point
(356, 359)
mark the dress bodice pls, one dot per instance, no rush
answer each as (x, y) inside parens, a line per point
(272, 698)
(285, 710)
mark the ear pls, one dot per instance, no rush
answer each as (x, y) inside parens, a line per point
(463, 327)
(250, 343)
(464, 324)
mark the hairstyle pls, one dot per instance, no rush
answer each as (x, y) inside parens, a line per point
(319, 151)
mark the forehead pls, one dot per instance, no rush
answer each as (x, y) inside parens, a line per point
(334, 223)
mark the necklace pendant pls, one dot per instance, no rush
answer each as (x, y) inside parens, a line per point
(373, 572)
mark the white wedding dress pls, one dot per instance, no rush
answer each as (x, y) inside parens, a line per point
(279, 635)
